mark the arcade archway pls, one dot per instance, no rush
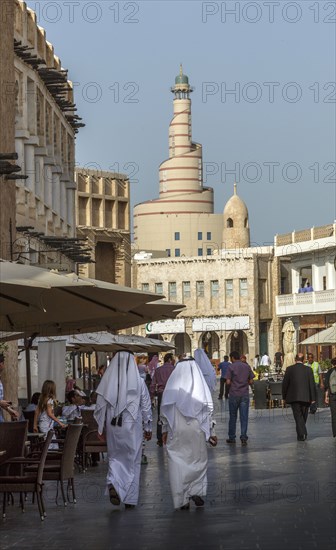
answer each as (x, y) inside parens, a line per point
(209, 341)
(237, 341)
(182, 343)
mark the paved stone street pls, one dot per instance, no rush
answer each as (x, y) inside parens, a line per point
(276, 493)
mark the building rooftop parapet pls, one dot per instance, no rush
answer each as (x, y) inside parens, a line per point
(304, 235)
(101, 173)
(305, 240)
(247, 254)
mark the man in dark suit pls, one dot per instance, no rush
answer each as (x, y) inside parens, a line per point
(299, 390)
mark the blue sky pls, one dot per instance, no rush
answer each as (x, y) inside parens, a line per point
(275, 135)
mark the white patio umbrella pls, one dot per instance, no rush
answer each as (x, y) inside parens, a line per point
(326, 337)
(37, 301)
(105, 341)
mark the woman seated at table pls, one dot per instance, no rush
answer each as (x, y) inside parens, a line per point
(73, 410)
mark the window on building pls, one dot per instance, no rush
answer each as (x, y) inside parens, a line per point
(200, 235)
(200, 289)
(158, 288)
(145, 287)
(283, 285)
(186, 289)
(324, 283)
(229, 222)
(177, 252)
(177, 235)
(209, 251)
(208, 235)
(172, 290)
(263, 291)
(214, 286)
(200, 252)
(242, 287)
(168, 252)
(229, 288)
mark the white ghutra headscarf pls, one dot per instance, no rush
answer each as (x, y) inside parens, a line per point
(206, 367)
(187, 390)
(119, 389)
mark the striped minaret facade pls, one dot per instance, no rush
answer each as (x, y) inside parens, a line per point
(183, 213)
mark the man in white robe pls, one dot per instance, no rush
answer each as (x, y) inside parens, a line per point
(186, 414)
(123, 410)
(206, 367)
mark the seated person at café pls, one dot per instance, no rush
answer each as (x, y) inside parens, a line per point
(34, 402)
(73, 410)
(92, 402)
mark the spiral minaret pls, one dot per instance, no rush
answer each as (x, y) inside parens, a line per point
(184, 207)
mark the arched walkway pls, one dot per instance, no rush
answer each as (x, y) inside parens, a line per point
(182, 343)
(237, 341)
(209, 341)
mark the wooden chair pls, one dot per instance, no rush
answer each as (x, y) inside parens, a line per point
(31, 482)
(60, 464)
(90, 440)
(29, 415)
(13, 436)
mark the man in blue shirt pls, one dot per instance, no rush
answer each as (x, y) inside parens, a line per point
(223, 366)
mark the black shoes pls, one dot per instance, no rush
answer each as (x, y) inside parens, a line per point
(244, 443)
(129, 506)
(231, 441)
(114, 497)
(198, 500)
(301, 437)
(159, 443)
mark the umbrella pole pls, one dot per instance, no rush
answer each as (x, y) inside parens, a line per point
(90, 377)
(74, 366)
(28, 371)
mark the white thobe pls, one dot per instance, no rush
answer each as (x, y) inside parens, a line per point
(187, 459)
(124, 444)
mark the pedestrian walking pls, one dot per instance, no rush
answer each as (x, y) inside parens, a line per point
(186, 412)
(239, 377)
(299, 390)
(123, 407)
(330, 393)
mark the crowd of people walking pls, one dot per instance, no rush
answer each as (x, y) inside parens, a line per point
(182, 392)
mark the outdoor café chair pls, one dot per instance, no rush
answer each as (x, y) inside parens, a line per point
(275, 394)
(60, 464)
(90, 440)
(13, 436)
(25, 482)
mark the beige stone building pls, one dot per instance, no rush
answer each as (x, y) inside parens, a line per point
(103, 217)
(184, 211)
(8, 167)
(45, 128)
(228, 295)
(306, 291)
(225, 285)
(228, 298)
